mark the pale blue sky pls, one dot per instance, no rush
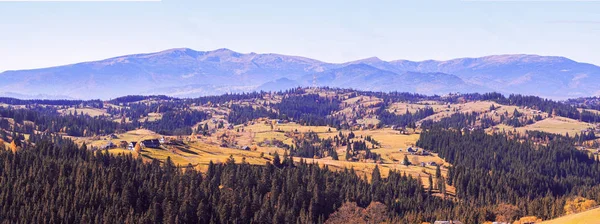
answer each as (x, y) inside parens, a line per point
(42, 34)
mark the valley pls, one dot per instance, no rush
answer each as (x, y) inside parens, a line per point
(372, 135)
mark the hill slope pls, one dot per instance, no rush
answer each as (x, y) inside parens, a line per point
(587, 217)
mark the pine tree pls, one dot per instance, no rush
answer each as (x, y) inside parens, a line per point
(334, 155)
(348, 150)
(276, 159)
(405, 161)
(376, 176)
(430, 188)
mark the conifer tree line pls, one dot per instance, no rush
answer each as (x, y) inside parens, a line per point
(545, 105)
(495, 169)
(50, 121)
(40, 119)
(407, 119)
(55, 180)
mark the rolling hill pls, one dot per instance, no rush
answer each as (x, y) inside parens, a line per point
(185, 72)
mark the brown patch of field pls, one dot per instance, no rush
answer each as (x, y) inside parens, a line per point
(481, 107)
(557, 125)
(151, 117)
(368, 121)
(134, 135)
(589, 110)
(587, 217)
(401, 108)
(93, 112)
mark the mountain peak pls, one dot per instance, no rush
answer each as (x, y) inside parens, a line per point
(221, 50)
(547, 76)
(367, 60)
(528, 58)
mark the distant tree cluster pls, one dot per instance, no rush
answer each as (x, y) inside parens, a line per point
(405, 120)
(176, 122)
(242, 114)
(51, 121)
(310, 109)
(82, 103)
(545, 105)
(136, 98)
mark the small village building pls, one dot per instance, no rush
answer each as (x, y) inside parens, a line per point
(123, 144)
(109, 145)
(131, 146)
(150, 143)
(412, 151)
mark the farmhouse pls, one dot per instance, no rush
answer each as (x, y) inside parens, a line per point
(123, 144)
(131, 146)
(150, 143)
(412, 151)
(109, 145)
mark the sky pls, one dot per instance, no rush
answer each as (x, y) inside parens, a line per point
(44, 34)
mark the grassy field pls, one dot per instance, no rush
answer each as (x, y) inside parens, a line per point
(587, 217)
(135, 135)
(94, 112)
(557, 125)
(589, 110)
(151, 117)
(261, 127)
(200, 152)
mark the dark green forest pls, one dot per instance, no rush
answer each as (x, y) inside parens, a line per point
(494, 169)
(57, 181)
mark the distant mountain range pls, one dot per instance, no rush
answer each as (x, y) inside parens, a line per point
(189, 73)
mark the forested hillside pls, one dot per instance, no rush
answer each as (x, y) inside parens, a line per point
(58, 181)
(494, 169)
(305, 155)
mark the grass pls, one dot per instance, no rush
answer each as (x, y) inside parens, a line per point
(200, 153)
(557, 125)
(93, 112)
(151, 117)
(134, 135)
(587, 217)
